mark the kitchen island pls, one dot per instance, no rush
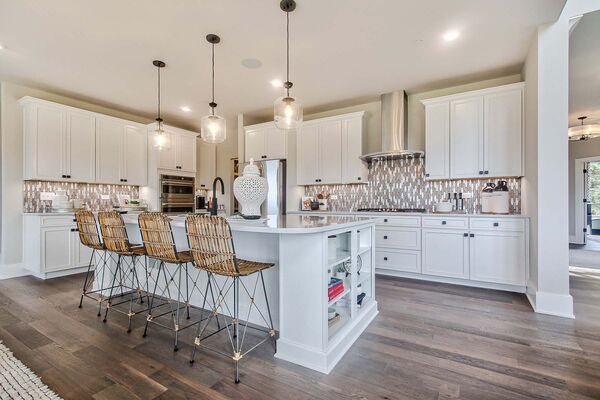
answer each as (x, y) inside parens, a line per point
(306, 251)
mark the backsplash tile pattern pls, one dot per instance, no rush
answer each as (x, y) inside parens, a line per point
(89, 193)
(401, 183)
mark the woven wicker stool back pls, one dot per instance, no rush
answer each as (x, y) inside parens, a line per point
(114, 233)
(211, 244)
(157, 236)
(88, 230)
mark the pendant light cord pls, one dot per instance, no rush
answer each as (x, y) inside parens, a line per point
(287, 30)
(213, 79)
(158, 118)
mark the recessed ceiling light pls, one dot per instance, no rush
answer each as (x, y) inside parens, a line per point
(251, 63)
(277, 83)
(1, 47)
(185, 109)
(451, 35)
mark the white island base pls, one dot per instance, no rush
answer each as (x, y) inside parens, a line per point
(306, 250)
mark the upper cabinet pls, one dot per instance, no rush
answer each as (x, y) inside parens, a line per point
(265, 142)
(58, 142)
(180, 155)
(63, 143)
(476, 134)
(328, 150)
(207, 164)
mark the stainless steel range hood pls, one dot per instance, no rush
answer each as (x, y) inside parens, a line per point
(394, 129)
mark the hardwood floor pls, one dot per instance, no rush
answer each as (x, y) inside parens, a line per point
(430, 341)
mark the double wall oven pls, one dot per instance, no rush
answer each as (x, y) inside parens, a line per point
(176, 194)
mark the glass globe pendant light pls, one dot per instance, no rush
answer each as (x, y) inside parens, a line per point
(161, 139)
(287, 109)
(584, 132)
(212, 127)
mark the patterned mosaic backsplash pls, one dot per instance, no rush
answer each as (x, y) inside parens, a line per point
(401, 184)
(89, 193)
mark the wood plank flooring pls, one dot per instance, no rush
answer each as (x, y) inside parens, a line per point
(430, 341)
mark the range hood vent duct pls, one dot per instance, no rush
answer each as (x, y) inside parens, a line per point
(394, 129)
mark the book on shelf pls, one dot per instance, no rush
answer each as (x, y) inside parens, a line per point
(335, 291)
(335, 281)
(334, 320)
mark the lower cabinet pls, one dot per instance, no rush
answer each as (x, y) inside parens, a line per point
(53, 247)
(445, 253)
(498, 257)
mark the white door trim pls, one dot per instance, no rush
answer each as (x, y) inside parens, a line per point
(579, 209)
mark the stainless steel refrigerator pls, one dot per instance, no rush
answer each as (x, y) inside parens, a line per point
(275, 173)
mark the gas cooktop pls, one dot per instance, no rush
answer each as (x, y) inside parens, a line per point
(393, 210)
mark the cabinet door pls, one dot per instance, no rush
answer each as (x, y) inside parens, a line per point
(276, 142)
(503, 134)
(255, 144)
(307, 153)
(81, 146)
(207, 164)
(57, 248)
(445, 253)
(330, 152)
(167, 158)
(109, 150)
(437, 141)
(466, 138)
(186, 153)
(81, 254)
(49, 134)
(354, 169)
(498, 257)
(135, 160)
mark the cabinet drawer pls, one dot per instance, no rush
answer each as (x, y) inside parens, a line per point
(498, 224)
(398, 238)
(406, 260)
(400, 221)
(445, 222)
(63, 220)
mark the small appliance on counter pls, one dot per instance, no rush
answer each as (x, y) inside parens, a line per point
(495, 198)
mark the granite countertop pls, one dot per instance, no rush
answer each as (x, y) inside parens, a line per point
(401, 214)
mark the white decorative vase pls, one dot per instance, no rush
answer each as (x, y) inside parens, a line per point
(250, 190)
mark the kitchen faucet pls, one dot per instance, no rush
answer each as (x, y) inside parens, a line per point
(214, 207)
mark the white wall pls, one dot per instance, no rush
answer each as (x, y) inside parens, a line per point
(11, 132)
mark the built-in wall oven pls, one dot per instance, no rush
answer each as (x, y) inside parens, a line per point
(176, 194)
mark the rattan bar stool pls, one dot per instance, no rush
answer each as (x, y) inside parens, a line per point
(211, 245)
(129, 256)
(89, 237)
(159, 243)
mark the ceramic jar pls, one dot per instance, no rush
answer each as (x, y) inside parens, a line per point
(250, 190)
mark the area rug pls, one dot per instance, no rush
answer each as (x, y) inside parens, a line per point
(19, 382)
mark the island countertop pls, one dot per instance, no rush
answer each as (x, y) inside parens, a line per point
(284, 224)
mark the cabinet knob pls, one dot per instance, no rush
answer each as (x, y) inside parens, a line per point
(465, 234)
(385, 220)
(472, 235)
(480, 172)
(384, 258)
(202, 185)
(385, 237)
(358, 178)
(486, 172)
(63, 176)
(263, 156)
(443, 222)
(426, 175)
(496, 224)
(74, 220)
(74, 230)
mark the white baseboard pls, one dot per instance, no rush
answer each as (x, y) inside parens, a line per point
(560, 305)
(8, 271)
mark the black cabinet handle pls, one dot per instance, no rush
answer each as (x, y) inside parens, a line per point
(63, 176)
(384, 258)
(74, 220)
(202, 185)
(358, 178)
(443, 222)
(74, 230)
(480, 172)
(263, 156)
(472, 235)
(486, 172)
(496, 224)
(124, 180)
(465, 234)
(385, 220)
(385, 237)
(426, 175)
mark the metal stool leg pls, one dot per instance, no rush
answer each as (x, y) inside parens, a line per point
(149, 317)
(271, 327)
(198, 332)
(104, 266)
(236, 313)
(179, 267)
(87, 276)
(112, 286)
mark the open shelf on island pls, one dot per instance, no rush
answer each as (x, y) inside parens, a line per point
(345, 317)
(339, 257)
(364, 277)
(363, 249)
(346, 291)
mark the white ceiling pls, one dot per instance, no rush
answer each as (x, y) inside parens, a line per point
(584, 70)
(340, 49)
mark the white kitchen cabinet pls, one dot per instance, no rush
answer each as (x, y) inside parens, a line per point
(437, 141)
(265, 142)
(207, 164)
(498, 257)
(466, 139)
(354, 170)
(328, 150)
(54, 248)
(135, 159)
(445, 253)
(503, 125)
(180, 155)
(109, 149)
(59, 142)
(484, 136)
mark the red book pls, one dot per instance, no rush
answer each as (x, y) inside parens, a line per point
(335, 288)
(336, 291)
